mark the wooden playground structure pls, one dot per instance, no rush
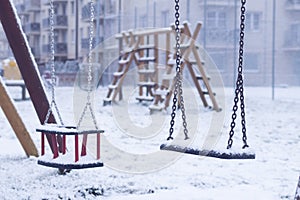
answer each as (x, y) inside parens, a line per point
(151, 51)
(16, 122)
(33, 81)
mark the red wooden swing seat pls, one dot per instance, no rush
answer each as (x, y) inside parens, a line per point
(64, 161)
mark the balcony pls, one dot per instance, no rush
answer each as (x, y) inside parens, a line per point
(85, 42)
(222, 3)
(60, 49)
(47, 2)
(32, 28)
(108, 10)
(36, 52)
(292, 38)
(219, 37)
(60, 22)
(21, 9)
(33, 6)
(293, 5)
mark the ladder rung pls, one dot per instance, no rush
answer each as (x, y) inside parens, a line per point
(199, 77)
(194, 62)
(161, 92)
(118, 74)
(171, 61)
(146, 46)
(144, 98)
(112, 87)
(147, 84)
(206, 93)
(146, 71)
(146, 59)
(185, 46)
(123, 61)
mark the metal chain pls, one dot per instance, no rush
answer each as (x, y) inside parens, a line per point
(90, 69)
(52, 65)
(178, 80)
(239, 85)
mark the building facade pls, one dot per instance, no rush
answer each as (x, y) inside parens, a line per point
(271, 51)
(272, 38)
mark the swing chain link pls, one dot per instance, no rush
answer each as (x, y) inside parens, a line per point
(90, 70)
(178, 80)
(52, 65)
(239, 85)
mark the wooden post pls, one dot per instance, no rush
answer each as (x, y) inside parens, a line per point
(297, 195)
(98, 146)
(156, 55)
(16, 122)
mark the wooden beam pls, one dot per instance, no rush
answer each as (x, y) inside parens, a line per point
(16, 122)
(25, 60)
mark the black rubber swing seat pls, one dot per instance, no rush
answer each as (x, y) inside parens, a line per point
(69, 166)
(208, 153)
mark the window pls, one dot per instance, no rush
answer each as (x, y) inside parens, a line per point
(73, 36)
(251, 61)
(81, 33)
(216, 19)
(253, 21)
(165, 18)
(72, 8)
(143, 21)
(295, 33)
(64, 8)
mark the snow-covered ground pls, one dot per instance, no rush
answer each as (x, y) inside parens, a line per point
(135, 168)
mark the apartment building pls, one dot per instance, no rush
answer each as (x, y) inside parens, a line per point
(265, 56)
(5, 51)
(71, 29)
(220, 34)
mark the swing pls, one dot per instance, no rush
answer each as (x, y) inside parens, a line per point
(56, 134)
(239, 96)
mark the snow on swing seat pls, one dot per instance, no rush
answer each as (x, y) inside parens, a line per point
(227, 154)
(65, 130)
(71, 159)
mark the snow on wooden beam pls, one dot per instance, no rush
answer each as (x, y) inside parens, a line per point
(17, 40)
(16, 122)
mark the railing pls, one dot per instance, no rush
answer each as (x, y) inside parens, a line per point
(32, 28)
(107, 10)
(32, 5)
(292, 39)
(36, 52)
(85, 42)
(293, 5)
(46, 2)
(216, 2)
(20, 8)
(59, 48)
(59, 21)
(216, 36)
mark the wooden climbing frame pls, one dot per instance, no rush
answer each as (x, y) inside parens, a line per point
(143, 49)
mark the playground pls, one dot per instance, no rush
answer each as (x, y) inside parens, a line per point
(273, 132)
(120, 141)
